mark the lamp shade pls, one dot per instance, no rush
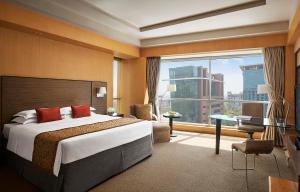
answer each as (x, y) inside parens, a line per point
(171, 87)
(102, 90)
(264, 89)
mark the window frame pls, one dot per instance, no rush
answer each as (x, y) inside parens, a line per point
(210, 100)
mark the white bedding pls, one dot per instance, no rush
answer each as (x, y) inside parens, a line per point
(21, 138)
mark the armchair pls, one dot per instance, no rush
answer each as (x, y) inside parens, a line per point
(161, 131)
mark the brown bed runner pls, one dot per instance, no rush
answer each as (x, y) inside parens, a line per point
(45, 144)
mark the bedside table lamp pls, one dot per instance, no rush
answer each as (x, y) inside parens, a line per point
(101, 92)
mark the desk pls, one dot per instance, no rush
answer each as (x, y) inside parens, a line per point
(282, 185)
(253, 121)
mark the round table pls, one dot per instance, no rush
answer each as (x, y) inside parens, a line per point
(171, 117)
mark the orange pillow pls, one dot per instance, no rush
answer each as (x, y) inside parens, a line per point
(81, 111)
(48, 114)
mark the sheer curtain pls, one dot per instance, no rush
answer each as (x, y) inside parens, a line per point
(152, 72)
(274, 75)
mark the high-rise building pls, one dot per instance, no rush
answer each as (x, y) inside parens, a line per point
(234, 96)
(234, 106)
(192, 84)
(253, 75)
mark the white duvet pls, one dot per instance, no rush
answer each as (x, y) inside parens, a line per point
(21, 138)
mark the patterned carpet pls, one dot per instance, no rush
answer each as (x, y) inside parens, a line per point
(186, 164)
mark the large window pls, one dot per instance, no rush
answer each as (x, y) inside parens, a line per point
(210, 85)
(116, 99)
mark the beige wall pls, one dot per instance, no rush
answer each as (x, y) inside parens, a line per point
(16, 16)
(132, 81)
(31, 55)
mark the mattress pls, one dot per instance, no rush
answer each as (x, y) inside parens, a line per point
(21, 138)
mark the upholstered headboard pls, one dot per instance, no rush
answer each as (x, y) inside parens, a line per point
(23, 93)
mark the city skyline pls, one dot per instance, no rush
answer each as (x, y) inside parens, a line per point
(197, 97)
(229, 67)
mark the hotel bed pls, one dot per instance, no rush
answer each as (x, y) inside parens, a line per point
(81, 162)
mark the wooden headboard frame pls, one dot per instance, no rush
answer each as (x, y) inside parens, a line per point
(23, 93)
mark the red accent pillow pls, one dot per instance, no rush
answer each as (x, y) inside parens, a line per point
(48, 114)
(81, 111)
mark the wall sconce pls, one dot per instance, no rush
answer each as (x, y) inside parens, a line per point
(101, 91)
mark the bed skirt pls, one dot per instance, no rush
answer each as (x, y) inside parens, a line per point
(85, 173)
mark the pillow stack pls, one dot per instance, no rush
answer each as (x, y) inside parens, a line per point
(25, 117)
(42, 115)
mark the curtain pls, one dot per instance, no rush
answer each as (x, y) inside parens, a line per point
(152, 75)
(274, 75)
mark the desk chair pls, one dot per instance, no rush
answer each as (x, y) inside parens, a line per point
(255, 110)
(254, 147)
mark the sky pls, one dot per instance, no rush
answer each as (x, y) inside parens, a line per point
(230, 67)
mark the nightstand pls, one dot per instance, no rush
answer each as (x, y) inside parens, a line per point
(116, 115)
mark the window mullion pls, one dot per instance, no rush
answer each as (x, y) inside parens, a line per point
(209, 87)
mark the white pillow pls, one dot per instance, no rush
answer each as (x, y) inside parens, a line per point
(70, 115)
(26, 114)
(68, 110)
(65, 111)
(24, 121)
(32, 113)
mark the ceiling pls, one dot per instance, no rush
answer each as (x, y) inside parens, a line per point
(121, 19)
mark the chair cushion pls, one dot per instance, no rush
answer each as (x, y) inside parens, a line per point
(143, 111)
(239, 146)
(251, 128)
(254, 146)
(160, 126)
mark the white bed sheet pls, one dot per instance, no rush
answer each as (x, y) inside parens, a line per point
(21, 138)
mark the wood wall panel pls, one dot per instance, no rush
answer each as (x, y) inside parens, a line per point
(294, 28)
(217, 45)
(290, 80)
(31, 55)
(99, 103)
(14, 16)
(132, 80)
(20, 94)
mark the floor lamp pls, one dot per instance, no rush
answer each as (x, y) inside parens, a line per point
(267, 89)
(170, 88)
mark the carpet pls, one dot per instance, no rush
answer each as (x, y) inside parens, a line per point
(189, 164)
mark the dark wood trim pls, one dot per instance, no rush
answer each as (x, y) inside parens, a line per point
(99, 103)
(22, 93)
(297, 82)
